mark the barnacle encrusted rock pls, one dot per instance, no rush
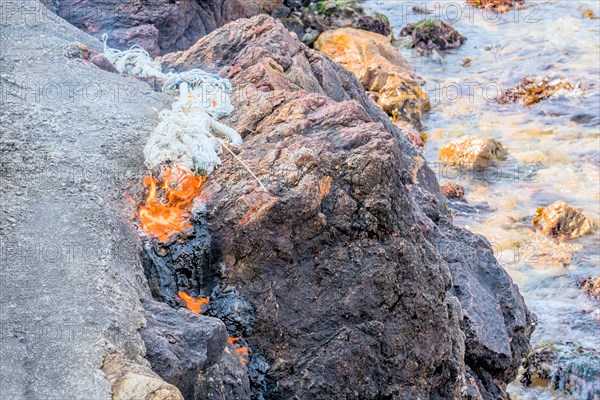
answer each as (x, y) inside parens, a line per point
(561, 220)
(476, 153)
(380, 68)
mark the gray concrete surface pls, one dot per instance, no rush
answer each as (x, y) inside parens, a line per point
(71, 139)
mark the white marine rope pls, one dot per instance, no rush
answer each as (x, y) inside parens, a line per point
(188, 134)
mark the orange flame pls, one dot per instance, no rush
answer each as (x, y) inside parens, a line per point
(242, 351)
(166, 212)
(193, 304)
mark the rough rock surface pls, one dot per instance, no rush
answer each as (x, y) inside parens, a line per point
(431, 34)
(180, 344)
(380, 68)
(348, 258)
(71, 137)
(130, 381)
(226, 380)
(159, 26)
(561, 220)
(476, 153)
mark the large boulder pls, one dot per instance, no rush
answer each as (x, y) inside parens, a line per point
(158, 26)
(380, 69)
(362, 286)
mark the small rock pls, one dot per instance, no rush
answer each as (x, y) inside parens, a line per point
(431, 34)
(589, 14)
(133, 381)
(591, 287)
(477, 153)
(532, 90)
(499, 6)
(466, 62)
(453, 191)
(561, 220)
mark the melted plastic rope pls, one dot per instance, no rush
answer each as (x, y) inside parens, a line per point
(189, 134)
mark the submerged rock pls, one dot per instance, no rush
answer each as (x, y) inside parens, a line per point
(453, 191)
(430, 34)
(476, 153)
(533, 90)
(362, 286)
(130, 380)
(499, 6)
(561, 220)
(380, 68)
(591, 287)
(565, 367)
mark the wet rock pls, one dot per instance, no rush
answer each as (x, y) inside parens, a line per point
(565, 367)
(476, 153)
(453, 191)
(380, 68)
(499, 6)
(181, 344)
(226, 380)
(533, 90)
(563, 221)
(129, 380)
(591, 287)
(431, 34)
(351, 252)
(159, 26)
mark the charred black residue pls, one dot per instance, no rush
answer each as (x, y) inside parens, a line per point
(185, 264)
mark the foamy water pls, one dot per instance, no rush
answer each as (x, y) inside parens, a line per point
(554, 146)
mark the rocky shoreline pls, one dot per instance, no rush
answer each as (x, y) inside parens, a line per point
(357, 281)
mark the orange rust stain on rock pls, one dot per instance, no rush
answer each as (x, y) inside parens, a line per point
(324, 187)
